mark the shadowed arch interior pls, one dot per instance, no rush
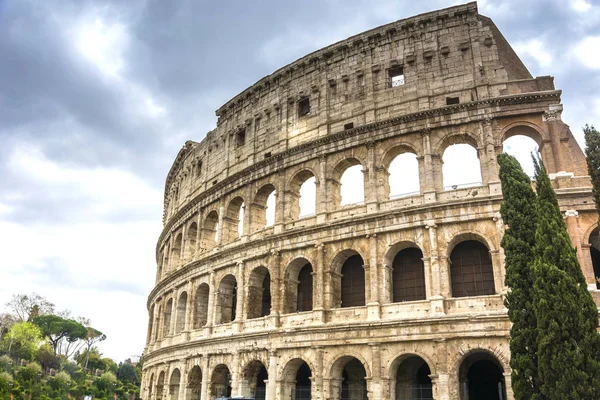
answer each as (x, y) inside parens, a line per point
(174, 384)
(299, 286)
(226, 300)
(471, 271)
(181, 312)
(297, 380)
(254, 376)
(353, 282)
(210, 230)
(263, 208)
(233, 223)
(350, 382)
(408, 276)
(160, 385)
(194, 384)
(176, 251)
(302, 195)
(167, 318)
(192, 234)
(481, 377)
(220, 382)
(412, 381)
(259, 293)
(201, 306)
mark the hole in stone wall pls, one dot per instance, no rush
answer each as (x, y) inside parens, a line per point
(240, 138)
(304, 107)
(396, 76)
(349, 125)
(521, 147)
(404, 175)
(452, 100)
(461, 167)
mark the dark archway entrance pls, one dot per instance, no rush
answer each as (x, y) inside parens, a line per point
(482, 378)
(353, 282)
(413, 381)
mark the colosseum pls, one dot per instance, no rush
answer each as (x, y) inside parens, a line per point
(271, 284)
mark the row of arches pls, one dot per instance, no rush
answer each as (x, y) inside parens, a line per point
(345, 186)
(480, 377)
(471, 274)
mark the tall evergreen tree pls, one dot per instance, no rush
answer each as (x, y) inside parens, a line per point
(592, 155)
(567, 317)
(518, 212)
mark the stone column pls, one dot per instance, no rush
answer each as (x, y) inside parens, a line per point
(373, 301)
(213, 293)
(374, 389)
(220, 224)
(277, 284)
(429, 189)
(174, 305)
(189, 308)
(508, 382)
(272, 370)
(317, 381)
(319, 285)
(184, 244)
(322, 191)
(236, 377)
(370, 179)
(440, 385)
(488, 140)
(240, 293)
(552, 119)
(206, 373)
(496, 258)
(182, 381)
(436, 290)
(280, 205)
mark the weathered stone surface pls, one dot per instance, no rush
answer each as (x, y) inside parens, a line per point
(344, 105)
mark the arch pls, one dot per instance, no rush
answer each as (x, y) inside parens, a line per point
(192, 234)
(201, 306)
(259, 293)
(174, 382)
(523, 128)
(160, 385)
(402, 166)
(471, 270)
(194, 384)
(233, 222)
(352, 282)
(254, 377)
(348, 175)
(220, 382)
(457, 138)
(470, 235)
(181, 312)
(176, 251)
(263, 207)
(226, 300)
(296, 377)
(594, 241)
(210, 230)
(461, 166)
(409, 378)
(298, 286)
(157, 323)
(303, 201)
(167, 318)
(481, 376)
(336, 277)
(164, 268)
(408, 275)
(521, 147)
(150, 385)
(349, 379)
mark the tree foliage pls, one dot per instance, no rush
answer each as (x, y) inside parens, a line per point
(27, 306)
(568, 344)
(23, 339)
(518, 212)
(592, 154)
(57, 329)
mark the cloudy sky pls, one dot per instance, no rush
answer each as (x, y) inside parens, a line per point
(97, 97)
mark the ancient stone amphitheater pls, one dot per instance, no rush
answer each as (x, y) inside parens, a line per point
(263, 294)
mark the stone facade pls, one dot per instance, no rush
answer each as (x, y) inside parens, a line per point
(391, 298)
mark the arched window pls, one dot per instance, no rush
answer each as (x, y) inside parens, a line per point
(352, 188)
(167, 318)
(226, 301)
(481, 377)
(210, 230)
(192, 234)
(254, 376)
(234, 220)
(263, 208)
(299, 287)
(303, 195)
(297, 380)
(521, 147)
(412, 380)
(220, 382)
(160, 385)
(408, 276)
(259, 293)
(151, 386)
(404, 176)
(461, 167)
(194, 385)
(181, 313)
(174, 384)
(176, 251)
(201, 306)
(471, 270)
(349, 379)
(157, 323)
(353, 282)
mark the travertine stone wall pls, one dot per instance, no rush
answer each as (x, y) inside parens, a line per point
(213, 319)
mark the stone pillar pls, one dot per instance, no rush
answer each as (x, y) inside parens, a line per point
(319, 285)
(429, 189)
(508, 382)
(318, 376)
(322, 190)
(182, 381)
(490, 151)
(276, 286)
(441, 386)
(437, 287)
(220, 224)
(374, 388)
(280, 205)
(174, 305)
(213, 293)
(236, 376)
(552, 119)
(272, 370)
(498, 270)
(182, 257)
(370, 179)
(206, 374)
(240, 293)
(373, 301)
(189, 308)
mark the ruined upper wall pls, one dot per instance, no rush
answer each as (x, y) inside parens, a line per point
(447, 56)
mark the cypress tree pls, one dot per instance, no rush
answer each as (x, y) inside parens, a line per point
(518, 212)
(566, 315)
(592, 155)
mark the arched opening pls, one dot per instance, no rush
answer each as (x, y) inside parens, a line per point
(259, 293)
(210, 230)
(352, 286)
(349, 381)
(412, 380)
(297, 380)
(157, 323)
(408, 276)
(192, 234)
(521, 147)
(160, 385)
(201, 306)
(263, 208)
(226, 300)
(176, 251)
(194, 385)
(220, 383)
(167, 318)
(471, 270)
(299, 286)
(254, 378)
(594, 241)
(351, 180)
(150, 324)
(481, 377)
(151, 386)
(404, 176)
(233, 223)
(165, 265)
(174, 384)
(303, 193)
(181, 312)
(461, 167)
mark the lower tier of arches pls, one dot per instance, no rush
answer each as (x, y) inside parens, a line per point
(461, 368)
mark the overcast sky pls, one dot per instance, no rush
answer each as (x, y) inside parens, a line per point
(97, 98)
